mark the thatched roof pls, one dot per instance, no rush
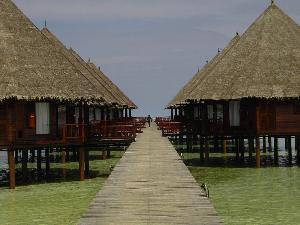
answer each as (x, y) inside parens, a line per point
(184, 93)
(114, 88)
(264, 63)
(32, 68)
(100, 87)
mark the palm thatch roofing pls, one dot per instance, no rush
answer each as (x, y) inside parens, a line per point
(114, 88)
(101, 87)
(31, 68)
(264, 63)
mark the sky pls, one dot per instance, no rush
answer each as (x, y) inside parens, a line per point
(150, 49)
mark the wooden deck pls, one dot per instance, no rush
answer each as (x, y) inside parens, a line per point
(150, 185)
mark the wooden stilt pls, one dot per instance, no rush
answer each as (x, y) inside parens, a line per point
(68, 155)
(237, 149)
(250, 147)
(104, 155)
(270, 143)
(86, 163)
(63, 156)
(276, 150)
(264, 144)
(289, 148)
(47, 158)
(32, 152)
(224, 146)
(16, 156)
(74, 155)
(12, 176)
(201, 149)
(216, 144)
(206, 149)
(39, 164)
(297, 148)
(242, 149)
(257, 142)
(81, 163)
(24, 166)
(286, 143)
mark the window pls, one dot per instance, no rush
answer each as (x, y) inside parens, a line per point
(234, 113)
(62, 112)
(220, 113)
(98, 114)
(210, 112)
(91, 114)
(42, 112)
(196, 112)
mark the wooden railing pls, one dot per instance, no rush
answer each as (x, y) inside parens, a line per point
(172, 128)
(113, 130)
(74, 132)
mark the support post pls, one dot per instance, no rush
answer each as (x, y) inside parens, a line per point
(47, 158)
(39, 164)
(81, 163)
(130, 113)
(11, 162)
(32, 152)
(63, 156)
(67, 155)
(224, 146)
(237, 149)
(297, 148)
(24, 165)
(206, 149)
(104, 155)
(276, 150)
(264, 144)
(251, 147)
(289, 148)
(270, 143)
(257, 152)
(242, 149)
(16, 156)
(86, 163)
(201, 149)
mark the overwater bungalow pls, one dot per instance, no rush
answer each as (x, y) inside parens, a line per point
(251, 88)
(49, 97)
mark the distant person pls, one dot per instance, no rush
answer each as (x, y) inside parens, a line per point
(149, 120)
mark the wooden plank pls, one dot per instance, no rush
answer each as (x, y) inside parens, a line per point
(150, 185)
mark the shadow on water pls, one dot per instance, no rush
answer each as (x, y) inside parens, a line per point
(59, 172)
(231, 160)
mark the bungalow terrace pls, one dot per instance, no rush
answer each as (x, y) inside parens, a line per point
(251, 88)
(49, 96)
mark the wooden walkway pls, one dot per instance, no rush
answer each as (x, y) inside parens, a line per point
(150, 185)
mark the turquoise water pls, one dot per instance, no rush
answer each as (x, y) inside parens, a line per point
(245, 195)
(253, 196)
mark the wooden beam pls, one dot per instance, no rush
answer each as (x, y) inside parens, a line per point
(12, 176)
(257, 142)
(86, 163)
(47, 158)
(206, 149)
(225, 146)
(242, 149)
(264, 144)
(81, 163)
(270, 143)
(276, 150)
(63, 156)
(39, 164)
(24, 165)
